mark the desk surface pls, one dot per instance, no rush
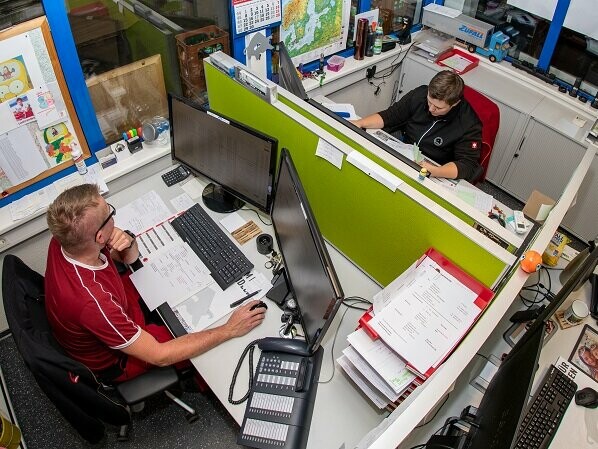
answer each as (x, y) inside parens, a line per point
(341, 414)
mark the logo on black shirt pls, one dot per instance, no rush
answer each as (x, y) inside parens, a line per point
(438, 141)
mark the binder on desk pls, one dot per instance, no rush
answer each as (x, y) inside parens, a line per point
(429, 314)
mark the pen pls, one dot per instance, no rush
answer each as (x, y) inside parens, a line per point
(239, 301)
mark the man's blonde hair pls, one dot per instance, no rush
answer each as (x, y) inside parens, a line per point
(67, 216)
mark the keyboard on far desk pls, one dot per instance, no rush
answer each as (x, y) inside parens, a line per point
(226, 262)
(546, 410)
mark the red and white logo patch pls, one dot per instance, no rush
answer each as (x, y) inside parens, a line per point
(474, 145)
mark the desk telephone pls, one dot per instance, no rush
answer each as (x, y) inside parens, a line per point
(281, 394)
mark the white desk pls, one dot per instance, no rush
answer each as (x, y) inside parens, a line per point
(341, 414)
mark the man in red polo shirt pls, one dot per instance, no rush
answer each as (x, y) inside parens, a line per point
(94, 313)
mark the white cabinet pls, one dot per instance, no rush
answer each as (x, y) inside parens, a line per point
(544, 160)
(583, 216)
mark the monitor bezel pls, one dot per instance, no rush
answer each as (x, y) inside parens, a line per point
(287, 74)
(216, 115)
(313, 341)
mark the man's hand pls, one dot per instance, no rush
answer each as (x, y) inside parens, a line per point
(243, 320)
(119, 240)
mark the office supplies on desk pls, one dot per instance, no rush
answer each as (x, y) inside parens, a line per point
(225, 261)
(244, 298)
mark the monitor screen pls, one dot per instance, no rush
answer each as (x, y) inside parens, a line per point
(239, 159)
(505, 399)
(288, 78)
(311, 276)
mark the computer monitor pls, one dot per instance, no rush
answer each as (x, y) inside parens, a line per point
(311, 276)
(504, 402)
(239, 160)
(288, 78)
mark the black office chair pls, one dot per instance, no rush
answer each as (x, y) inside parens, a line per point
(75, 391)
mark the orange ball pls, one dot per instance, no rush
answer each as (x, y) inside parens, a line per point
(531, 261)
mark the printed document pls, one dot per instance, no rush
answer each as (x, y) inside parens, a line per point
(428, 317)
(381, 358)
(143, 213)
(362, 382)
(172, 275)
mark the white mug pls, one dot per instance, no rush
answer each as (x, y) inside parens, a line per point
(577, 311)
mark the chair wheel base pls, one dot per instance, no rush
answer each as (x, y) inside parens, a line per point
(123, 434)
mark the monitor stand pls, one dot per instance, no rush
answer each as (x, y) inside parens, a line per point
(280, 288)
(217, 199)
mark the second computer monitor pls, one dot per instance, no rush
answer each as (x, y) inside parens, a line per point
(311, 275)
(239, 160)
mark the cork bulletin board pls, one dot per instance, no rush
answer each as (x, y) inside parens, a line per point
(38, 124)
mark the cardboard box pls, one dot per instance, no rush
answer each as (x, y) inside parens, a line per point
(538, 206)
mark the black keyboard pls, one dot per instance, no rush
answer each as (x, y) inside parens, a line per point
(546, 410)
(226, 262)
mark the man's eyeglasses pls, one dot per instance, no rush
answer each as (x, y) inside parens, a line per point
(110, 215)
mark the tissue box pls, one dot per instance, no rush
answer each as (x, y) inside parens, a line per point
(335, 63)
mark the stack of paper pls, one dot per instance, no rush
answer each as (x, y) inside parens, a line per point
(419, 318)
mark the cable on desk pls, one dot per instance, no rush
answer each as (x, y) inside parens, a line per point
(446, 424)
(542, 292)
(258, 215)
(357, 299)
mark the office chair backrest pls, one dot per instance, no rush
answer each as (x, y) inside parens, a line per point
(70, 385)
(489, 114)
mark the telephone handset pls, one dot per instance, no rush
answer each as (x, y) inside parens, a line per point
(286, 345)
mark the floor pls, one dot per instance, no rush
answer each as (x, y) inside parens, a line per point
(160, 425)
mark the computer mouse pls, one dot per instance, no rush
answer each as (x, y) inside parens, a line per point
(259, 304)
(587, 397)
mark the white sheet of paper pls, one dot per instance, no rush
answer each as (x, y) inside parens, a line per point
(212, 303)
(370, 374)
(143, 213)
(371, 16)
(44, 107)
(232, 222)
(400, 147)
(384, 360)
(330, 153)
(182, 202)
(374, 170)
(150, 241)
(361, 381)
(428, 317)
(388, 293)
(543, 211)
(29, 204)
(474, 197)
(193, 188)
(172, 275)
(93, 176)
(19, 156)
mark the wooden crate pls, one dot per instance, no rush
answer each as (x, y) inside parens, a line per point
(193, 46)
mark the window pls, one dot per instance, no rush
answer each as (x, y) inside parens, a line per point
(110, 36)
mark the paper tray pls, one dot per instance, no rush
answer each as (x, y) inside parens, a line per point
(460, 63)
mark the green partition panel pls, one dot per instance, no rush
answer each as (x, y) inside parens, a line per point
(381, 231)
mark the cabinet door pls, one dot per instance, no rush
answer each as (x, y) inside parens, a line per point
(510, 132)
(545, 161)
(582, 219)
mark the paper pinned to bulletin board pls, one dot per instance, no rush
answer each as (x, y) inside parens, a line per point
(38, 124)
